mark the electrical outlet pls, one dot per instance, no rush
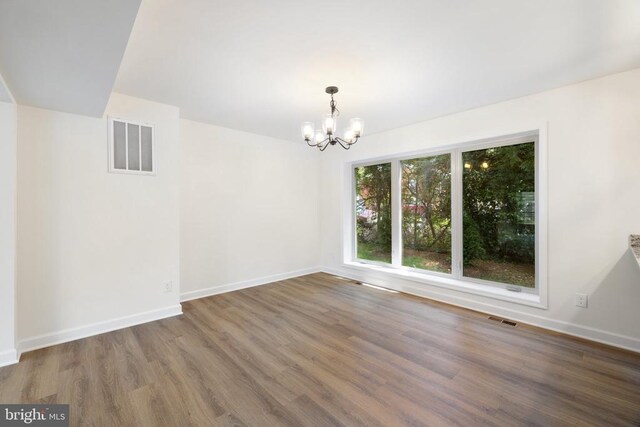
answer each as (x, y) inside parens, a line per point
(168, 286)
(582, 300)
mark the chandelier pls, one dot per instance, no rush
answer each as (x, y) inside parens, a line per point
(324, 137)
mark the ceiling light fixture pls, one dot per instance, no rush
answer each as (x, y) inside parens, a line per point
(324, 137)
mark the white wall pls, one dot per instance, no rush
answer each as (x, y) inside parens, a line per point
(249, 209)
(229, 209)
(93, 246)
(594, 203)
(7, 231)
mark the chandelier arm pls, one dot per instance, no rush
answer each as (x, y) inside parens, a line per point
(347, 142)
(326, 144)
(342, 143)
(317, 144)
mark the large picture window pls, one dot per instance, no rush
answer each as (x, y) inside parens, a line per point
(468, 212)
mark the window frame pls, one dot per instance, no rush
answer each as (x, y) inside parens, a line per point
(456, 280)
(111, 154)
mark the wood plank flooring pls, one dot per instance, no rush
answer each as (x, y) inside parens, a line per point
(322, 351)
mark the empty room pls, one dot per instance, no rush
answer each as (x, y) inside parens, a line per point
(341, 213)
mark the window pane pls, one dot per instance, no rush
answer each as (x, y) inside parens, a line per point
(373, 212)
(119, 146)
(146, 148)
(499, 214)
(134, 146)
(426, 213)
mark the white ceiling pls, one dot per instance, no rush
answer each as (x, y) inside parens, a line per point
(64, 54)
(262, 66)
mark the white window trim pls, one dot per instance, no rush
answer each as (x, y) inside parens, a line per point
(536, 298)
(154, 148)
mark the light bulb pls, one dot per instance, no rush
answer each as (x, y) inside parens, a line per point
(467, 165)
(319, 136)
(307, 130)
(329, 124)
(485, 165)
(349, 136)
(357, 126)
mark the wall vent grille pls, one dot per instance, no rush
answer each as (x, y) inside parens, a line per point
(131, 147)
(503, 321)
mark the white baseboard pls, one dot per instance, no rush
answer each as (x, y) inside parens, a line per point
(580, 331)
(47, 340)
(8, 357)
(215, 290)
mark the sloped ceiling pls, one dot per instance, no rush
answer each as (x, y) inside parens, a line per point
(262, 66)
(64, 54)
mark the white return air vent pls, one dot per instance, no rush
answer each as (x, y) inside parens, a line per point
(131, 147)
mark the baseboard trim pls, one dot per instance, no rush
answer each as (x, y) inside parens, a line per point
(215, 290)
(592, 334)
(47, 340)
(8, 357)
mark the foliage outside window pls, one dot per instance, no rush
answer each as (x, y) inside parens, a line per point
(373, 212)
(483, 228)
(499, 214)
(426, 213)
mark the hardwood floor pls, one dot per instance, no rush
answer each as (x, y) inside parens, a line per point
(320, 350)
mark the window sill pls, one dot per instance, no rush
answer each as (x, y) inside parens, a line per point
(524, 298)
